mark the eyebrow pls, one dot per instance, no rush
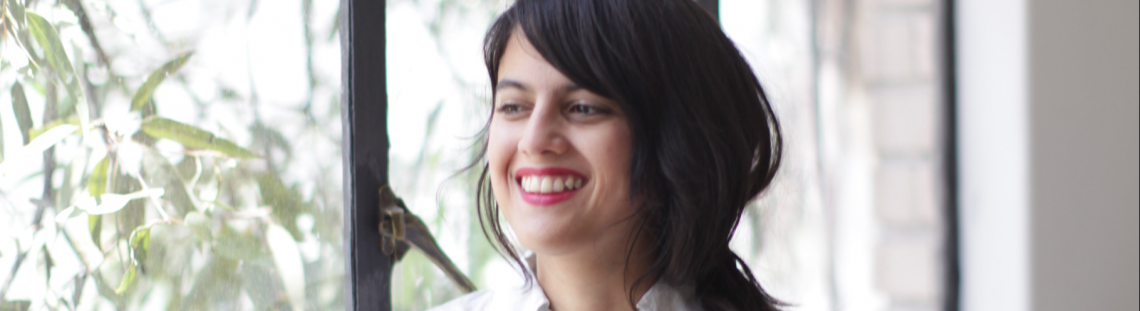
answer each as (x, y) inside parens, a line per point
(509, 84)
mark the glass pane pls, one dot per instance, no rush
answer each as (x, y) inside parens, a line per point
(784, 235)
(855, 219)
(439, 95)
(171, 154)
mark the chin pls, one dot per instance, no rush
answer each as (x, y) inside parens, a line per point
(543, 236)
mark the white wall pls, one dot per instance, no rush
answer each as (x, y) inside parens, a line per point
(993, 154)
(1048, 99)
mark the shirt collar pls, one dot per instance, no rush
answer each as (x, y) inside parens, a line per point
(661, 296)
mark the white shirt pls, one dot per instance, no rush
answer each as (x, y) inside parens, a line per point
(660, 297)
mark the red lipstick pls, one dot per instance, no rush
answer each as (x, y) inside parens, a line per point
(563, 193)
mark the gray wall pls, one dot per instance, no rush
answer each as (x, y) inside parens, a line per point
(1083, 100)
(1048, 136)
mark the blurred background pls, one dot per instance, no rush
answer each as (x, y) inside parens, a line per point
(171, 155)
(185, 154)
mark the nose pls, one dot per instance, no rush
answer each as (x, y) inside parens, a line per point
(543, 135)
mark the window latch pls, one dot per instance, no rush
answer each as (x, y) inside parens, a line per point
(401, 230)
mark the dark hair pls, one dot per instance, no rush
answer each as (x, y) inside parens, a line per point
(705, 139)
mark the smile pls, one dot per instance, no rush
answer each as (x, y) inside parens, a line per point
(548, 186)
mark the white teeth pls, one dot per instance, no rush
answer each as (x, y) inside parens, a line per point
(546, 186)
(550, 184)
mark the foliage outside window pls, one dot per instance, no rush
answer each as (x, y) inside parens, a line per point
(439, 97)
(170, 155)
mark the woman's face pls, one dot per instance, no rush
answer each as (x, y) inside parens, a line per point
(559, 157)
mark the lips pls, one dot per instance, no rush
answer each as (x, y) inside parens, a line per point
(548, 186)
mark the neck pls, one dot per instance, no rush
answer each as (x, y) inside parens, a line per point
(593, 279)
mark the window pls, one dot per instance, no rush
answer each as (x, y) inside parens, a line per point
(859, 215)
(438, 85)
(228, 154)
(171, 154)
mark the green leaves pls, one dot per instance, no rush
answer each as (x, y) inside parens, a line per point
(236, 226)
(215, 284)
(46, 35)
(20, 107)
(48, 38)
(18, 305)
(37, 146)
(16, 10)
(112, 202)
(159, 173)
(127, 280)
(36, 132)
(287, 203)
(95, 224)
(238, 246)
(192, 137)
(261, 285)
(23, 114)
(288, 260)
(200, 224)
(96, 186)
(97, 181)
(139, 244)
(51, 137)
(146, 91)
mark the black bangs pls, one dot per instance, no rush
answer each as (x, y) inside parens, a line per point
(568, 36)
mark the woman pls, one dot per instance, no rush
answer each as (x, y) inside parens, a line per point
(626, 138)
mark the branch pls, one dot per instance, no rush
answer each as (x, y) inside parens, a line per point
(49, 155)
(12, 274)
(85, 24)
(307, 19)
(48, 198)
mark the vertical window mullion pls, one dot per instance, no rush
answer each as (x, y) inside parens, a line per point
(952, 265)
(365, 150)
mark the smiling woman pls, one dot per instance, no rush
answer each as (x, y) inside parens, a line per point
(626, 139)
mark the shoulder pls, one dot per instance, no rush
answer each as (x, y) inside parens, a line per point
(526, 298)
(477, 300)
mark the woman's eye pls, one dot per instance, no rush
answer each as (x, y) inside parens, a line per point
(586, 110)
(509, 108)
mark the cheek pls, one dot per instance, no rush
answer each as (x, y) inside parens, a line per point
(616, 151)
(609, 153)
(500, 150)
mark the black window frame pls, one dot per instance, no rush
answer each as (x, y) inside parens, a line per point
(364, 147)
(952, 271)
